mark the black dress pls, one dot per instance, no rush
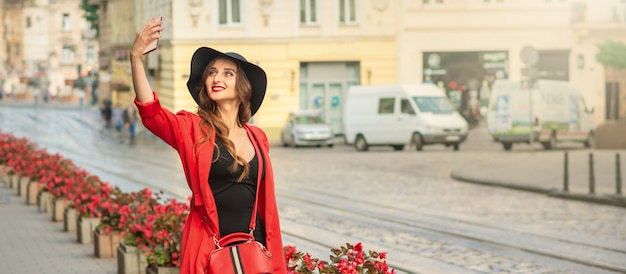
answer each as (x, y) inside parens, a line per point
(234, 200)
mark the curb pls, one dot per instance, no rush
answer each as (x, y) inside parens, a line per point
(42, 105)
(613, 200)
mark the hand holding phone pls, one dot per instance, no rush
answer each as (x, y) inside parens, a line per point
(154, 44)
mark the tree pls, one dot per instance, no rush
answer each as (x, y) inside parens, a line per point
(91, 15)
(612, 54)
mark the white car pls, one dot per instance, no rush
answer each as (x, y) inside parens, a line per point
(306, 128)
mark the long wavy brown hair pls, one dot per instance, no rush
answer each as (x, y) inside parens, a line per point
(211, 119)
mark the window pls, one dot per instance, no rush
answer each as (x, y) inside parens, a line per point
(67, 56)
(230, 12)
(433, 104)
(28, 22)
(347, 11)
(308, 12)
(91, 54)
(406, 108)
(385, 105)
(307, 120)
(67, 22)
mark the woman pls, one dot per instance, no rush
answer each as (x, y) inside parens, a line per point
(220, 152)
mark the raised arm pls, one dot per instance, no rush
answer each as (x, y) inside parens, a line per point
(147, 34)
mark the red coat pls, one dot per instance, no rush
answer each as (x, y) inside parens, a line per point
(181, 131)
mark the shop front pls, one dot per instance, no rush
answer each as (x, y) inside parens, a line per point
(466, 76)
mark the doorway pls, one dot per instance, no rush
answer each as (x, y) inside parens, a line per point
(323, 86)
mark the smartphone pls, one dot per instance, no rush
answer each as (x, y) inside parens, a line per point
(154, 44)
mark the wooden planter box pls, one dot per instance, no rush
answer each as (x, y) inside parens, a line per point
(85, 227)
(70, 219)
(15, 181)
(105, 245)
(59, 206)
(33, 191)
(44, 201)
(130, 260)
(4, 174)
(23, 188)
(153, 269)
(50, 204)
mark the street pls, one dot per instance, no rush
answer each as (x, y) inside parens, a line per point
(401, 202)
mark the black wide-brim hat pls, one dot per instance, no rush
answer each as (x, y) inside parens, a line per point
(203, 56)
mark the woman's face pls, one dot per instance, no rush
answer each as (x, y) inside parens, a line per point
(221, 81)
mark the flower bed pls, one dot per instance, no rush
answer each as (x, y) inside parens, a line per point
(145, 221)
(348, 259)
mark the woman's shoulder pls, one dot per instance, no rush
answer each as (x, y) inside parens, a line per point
(256, 130)
(189, 115)
(258, 133)
(192, 122)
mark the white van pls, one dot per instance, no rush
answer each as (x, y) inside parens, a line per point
(397, 115)
(558, 113)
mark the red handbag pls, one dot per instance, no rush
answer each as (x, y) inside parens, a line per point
(239, 253)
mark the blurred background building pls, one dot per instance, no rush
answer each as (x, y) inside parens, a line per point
(314, 50)
(48, 49)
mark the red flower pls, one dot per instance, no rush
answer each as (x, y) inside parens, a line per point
(349, 259)
(164, 232)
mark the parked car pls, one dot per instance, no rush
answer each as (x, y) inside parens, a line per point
(306, 128)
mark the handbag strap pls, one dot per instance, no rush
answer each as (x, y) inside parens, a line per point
(260, 174)
(205, 218)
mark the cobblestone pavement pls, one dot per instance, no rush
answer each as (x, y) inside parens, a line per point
(401, 202)
(413, 185)
(32, 243)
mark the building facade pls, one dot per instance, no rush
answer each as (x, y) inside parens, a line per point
(314, 50)
(3, 49)
(13, 61)
(466, 44)
(48, 47)
(596, 23)
(311, 53)
(117, 30)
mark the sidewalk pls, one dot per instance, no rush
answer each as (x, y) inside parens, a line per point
(88, 115)
(52, 104)
(33, 243)
(544, 172)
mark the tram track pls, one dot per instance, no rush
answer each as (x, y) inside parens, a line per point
(479, 234)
